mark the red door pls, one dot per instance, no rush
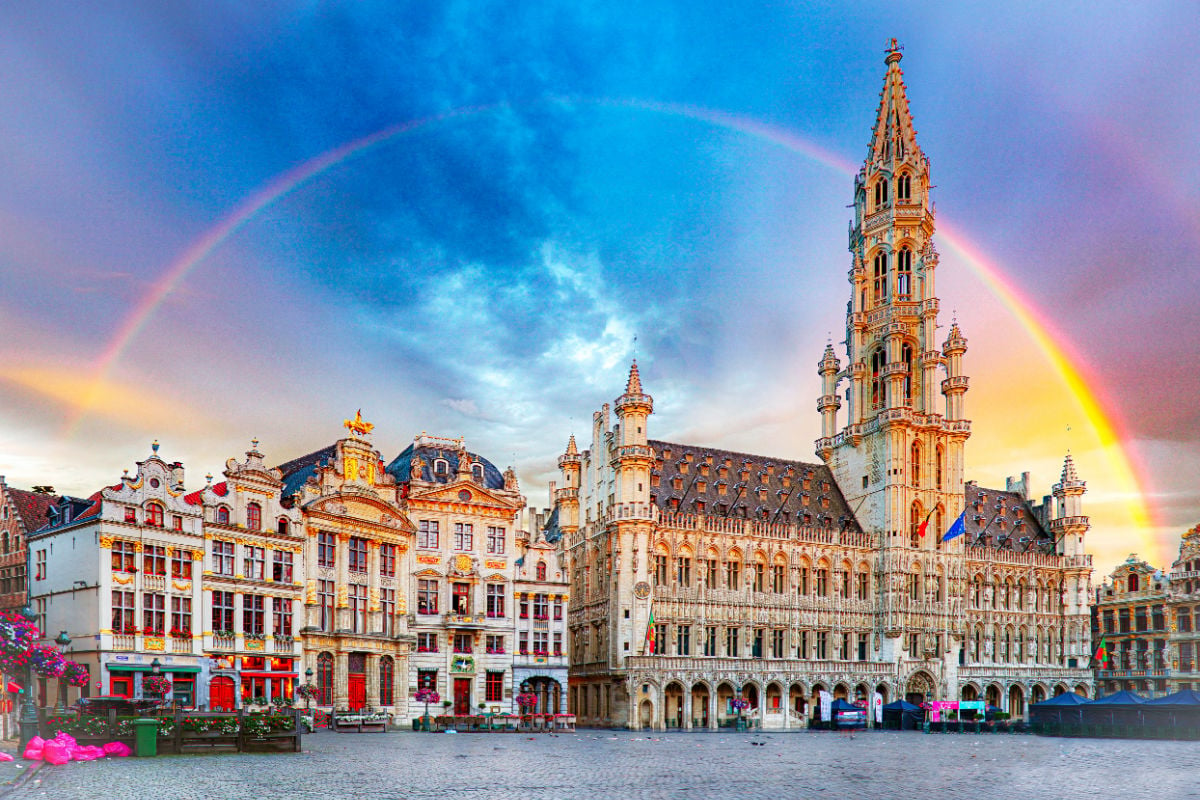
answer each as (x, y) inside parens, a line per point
(462, 695)
(220, 693)
(121, 686)
(358, 691)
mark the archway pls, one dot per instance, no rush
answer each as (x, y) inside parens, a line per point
(646, 714)
(725, 695)
(840, 691)
(970, 692)
(863, 692)
(750, 693)
(796, 695)
(1060, 689)
(548, 693)
(814, 704)
(1081, 690)
(700, 705)
(993, 695)
(1016, 701)
(774, 697)
(673, 705)
(919, 688)
(882, 688)
(1039, 693)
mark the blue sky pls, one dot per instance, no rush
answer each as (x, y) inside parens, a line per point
(485, 274)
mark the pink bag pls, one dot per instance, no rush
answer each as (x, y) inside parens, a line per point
(33, 753)
(5, 756)
(118, 750)
(87, 753)
(66, 740)
(55, 753)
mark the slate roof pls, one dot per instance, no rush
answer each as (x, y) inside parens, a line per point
(297, 471)
(756, 487)
(401, 466)
(1006, 518)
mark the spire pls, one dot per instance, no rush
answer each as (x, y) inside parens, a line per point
(1069, 475)
(893, 135)
(572, 448)
(634, 384)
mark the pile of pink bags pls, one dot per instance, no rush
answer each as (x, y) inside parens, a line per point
(63, 748)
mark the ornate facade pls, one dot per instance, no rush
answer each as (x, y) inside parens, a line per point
(21, 512)
(542, 594)
(699, 574)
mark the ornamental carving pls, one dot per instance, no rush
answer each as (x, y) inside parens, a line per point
(197, 555)
(106, 542)
(137, 547)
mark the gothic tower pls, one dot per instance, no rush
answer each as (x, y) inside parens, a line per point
(899, 459)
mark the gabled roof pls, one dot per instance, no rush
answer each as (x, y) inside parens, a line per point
(401, 466)
(33, 508)
(297, 471)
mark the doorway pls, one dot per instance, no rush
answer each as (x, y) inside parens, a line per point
(357, 687)
(220, 693)
(462, 695)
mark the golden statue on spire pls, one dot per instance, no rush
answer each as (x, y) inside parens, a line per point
(357, 426)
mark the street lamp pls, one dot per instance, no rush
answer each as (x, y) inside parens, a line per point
(63, 641)
(308, 673)
(29, 720)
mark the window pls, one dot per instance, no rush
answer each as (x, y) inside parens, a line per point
(460, 598)
(222, 612)
(357, 554)
(878, 360)
(733, 574)
(222, 557)
(777, 578)
(326, 549)
(387, 560)
(427, 596)
(660, 639)
(541, 608)
(524, 606)
(495, 543)
(387, 681)
(937, 467)
(123, 557)
(523, 642)
(904, 274)
(130, 514)
(40, 566)
(222, 515)
(731, 643)
(358, 608)
(325, 604)
(495, 644)
(822, 574)
(122, 612)
(683, 571)
(660, 570)
(710, 573)
(253, 615)
(154, 515)
(558, 651)
(387, 605)
(904, 187)
(154, 614)
(683, 640)
(254, 516)
(821, 641)
(760, 577)
(495, 600)
(254, 560)
(881, 278)
(862, 584)
(558, 607)
(777, 643)
(325, 679)
(176, 522)
(427, 535)
(710, 640)
(427, 679)
(541, 571)
(427, 643)
(281, 566)
(464, 537)
(463, 642)
(282, 527)
(181, 564)
(802, 645)
(181, 616)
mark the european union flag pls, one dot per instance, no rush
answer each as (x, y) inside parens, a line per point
(957, 529)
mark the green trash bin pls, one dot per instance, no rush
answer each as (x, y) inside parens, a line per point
(145, 737)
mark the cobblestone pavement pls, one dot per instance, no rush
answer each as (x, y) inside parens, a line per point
(602, 764)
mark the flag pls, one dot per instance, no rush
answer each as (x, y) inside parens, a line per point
(650, 641)
(921, 528)
(1102, 661)
(957, 529)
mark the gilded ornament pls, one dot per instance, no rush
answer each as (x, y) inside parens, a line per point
(462, 563)
(357, 426)
(106, 542)
(351, 468)
(197, 555)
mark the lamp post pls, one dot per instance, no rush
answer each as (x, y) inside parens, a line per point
(29, 720)
(63, 641)
(308, 673)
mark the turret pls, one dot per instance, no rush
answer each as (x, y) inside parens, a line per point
(955, 384)
(567, 497)
(829, 403)
(632, 455)
(1069, 525)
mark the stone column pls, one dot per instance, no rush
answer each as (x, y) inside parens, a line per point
(341, 680)
(712, 709)
(687, 708)
(372, 678)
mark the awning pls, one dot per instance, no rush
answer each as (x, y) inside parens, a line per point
(148, 668)
(246, 674)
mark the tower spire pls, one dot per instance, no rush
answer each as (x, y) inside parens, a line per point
(893, 137)
(634, 384)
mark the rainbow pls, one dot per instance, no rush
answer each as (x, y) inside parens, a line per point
(1079, 379)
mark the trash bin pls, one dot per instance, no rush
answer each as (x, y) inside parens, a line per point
(416, 723)
(145, 735)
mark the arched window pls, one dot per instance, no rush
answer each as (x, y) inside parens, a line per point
(282, 526)
(916, 517)
(904, 187)
(4, 540)
(441, 467)
(477, 472)
(222, 515)
(1133, 582)
(541, 570)
(904, 274)
(325, 679)
(877, 391)
(154, 515)
(938, 467)
(935, 525)
(387, 682)
(881, 192)
(906, 355)
(881, 277)
(915, 463)
(254, 516)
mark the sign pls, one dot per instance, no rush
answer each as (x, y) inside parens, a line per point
(938, 706)
(826, 705)
(641, 590)
(970, 705)
(877, 704)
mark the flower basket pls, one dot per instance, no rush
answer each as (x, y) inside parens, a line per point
(156, 685)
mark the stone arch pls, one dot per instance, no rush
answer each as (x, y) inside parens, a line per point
(994, 695)
(1016, 700)
(645, 713)
(672, 705)
(752, 692)
(1060, 688)
(684, 551)
(725, 693)
(774, 696)
(712, 553)
(862, 691)
(919, 687)
(701, 694)
(797, 697)
(969, 691)
(661, 548)
(1038, 693)
(882, 688)
(841, 691)
(1081, 689)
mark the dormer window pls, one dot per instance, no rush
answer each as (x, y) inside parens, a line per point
(222, 515)
(154, 515)
(477, 472)
(254, 516)
(441, 467)
(282, 526)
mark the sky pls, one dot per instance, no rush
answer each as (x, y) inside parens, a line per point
(228, 221)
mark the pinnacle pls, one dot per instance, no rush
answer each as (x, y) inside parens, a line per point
(572, 449)
(1069, 475)
(634, 384)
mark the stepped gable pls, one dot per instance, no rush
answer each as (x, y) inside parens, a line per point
(297, 471)
(32, 507)
(773, 489)
(1018, 528)
(401, 466)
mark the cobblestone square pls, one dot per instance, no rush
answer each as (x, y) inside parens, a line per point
(620, 765)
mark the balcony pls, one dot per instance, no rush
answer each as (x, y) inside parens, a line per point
(154, 583)
(464, 620)
(283, 644)
(220, 642)
(180, 644)
(124, 641)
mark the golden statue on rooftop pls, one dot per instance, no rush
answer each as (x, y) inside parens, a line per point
(357, 426)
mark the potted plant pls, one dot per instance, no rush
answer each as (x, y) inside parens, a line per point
(156, 685)
(425, 696)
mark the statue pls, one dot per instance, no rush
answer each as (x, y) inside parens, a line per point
(510, 479)
(416, 468)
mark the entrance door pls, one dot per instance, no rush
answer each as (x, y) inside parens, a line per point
(358, 691)
(462, 695)
(121, 686)
(220, 693)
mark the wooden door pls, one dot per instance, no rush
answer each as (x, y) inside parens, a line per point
(121, 686)
(220, 693)
(462, 695)
(358, 691)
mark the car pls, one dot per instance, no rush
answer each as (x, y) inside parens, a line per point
(124, 706)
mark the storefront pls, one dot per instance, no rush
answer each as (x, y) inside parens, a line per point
(124, 679)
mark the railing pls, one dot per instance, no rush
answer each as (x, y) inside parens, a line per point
(154, 583)
(283, 645)
(464, 620)
(1056, 525)
(771, 530)
(181, 645)
(223, 642)
(722, 664)
(123, 641)
(646, 511)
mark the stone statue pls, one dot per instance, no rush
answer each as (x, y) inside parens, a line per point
(416, 468)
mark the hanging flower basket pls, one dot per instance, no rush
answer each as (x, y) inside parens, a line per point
(47, 661)
(526, 700)
(156, 685)
(76, 674)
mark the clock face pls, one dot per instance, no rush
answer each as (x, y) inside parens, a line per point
(642, 590)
